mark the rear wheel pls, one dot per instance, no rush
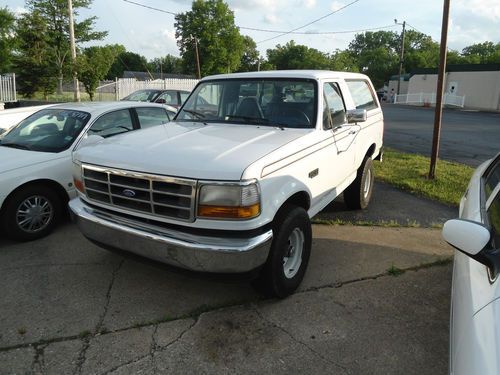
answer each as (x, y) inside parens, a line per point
(358, 194)
(31, 212)
(287, 261)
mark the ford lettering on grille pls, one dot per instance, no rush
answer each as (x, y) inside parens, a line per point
(157, 195)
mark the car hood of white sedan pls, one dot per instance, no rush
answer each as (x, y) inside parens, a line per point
(191, 150)
(13, 158)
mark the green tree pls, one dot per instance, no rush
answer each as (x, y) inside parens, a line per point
(33, 65)
(127, 61)
(220, 44)
(377, 54)
(482, 53)
(296, 56)
(420, 51)
(168, 64)
(55, 13)
(7, 39)
(92, 66)
(250, 57)
(343, 61)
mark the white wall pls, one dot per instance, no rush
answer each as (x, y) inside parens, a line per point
(481, 89)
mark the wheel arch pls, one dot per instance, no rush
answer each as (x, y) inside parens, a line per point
(299, 199)
(54, 185)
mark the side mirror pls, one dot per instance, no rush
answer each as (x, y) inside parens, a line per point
(472, 239)
(90, 139)
(356, 115)
(161, 101)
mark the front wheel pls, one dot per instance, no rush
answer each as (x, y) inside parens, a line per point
(358, 194)
(287, 261)
(31, 213)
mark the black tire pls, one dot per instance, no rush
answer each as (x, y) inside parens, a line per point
(359, 193)
(44, 205)
(282, 274)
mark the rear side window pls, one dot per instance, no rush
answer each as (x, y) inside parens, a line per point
(149, 116)
(492, 179)
(362, 94)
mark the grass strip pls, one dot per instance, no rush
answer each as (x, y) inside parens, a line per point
(409, 172)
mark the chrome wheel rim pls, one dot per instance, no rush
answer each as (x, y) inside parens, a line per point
(34, 214)
(368, 184)
(293, 257)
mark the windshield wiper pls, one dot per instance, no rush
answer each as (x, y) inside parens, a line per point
(257, 121)
(194, 113)
(16, 145)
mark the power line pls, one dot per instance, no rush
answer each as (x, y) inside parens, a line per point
(319, 32)
(282, 32)
(147, 6)
(310, 23)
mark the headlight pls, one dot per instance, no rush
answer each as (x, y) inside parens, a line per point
(229, 201)
(77, 176)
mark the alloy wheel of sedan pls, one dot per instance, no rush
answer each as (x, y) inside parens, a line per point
(34, 214)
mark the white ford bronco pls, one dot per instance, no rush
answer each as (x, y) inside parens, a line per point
(231, 184)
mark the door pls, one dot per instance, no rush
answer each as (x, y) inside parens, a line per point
(344, 134)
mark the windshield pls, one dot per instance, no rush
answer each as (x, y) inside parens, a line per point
(143, 96)
(287, 103)
(49, 130)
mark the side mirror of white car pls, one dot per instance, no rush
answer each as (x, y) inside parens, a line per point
(90, 139)
(472, 239)
(467, 236)
(356, 115)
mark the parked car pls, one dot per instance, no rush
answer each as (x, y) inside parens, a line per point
(35, 158)
(11, 117)
(475, 295)
(231, 187)
(174, 98)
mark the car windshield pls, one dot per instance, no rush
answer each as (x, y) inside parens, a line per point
(286, 103)
(143, 96)
(48, 130)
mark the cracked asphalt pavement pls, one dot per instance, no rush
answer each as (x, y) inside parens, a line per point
(69, 307)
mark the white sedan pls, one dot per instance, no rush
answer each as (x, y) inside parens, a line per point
(475, 297)
(35, 158)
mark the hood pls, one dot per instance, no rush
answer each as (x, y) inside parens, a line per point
(13, 158)
(191, 150)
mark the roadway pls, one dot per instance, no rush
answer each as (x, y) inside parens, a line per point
(468, 137)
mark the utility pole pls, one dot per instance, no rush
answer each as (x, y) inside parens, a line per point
(197, 56)
(73, 51)
(439, 89)
(401, 55)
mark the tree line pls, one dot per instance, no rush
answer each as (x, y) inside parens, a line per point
(35, 45)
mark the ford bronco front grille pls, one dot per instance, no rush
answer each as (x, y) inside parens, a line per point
(161, 196)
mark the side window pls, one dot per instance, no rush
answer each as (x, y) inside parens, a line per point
(149, 116)
(184, 96)
(494, 217)
(362, 95)
(333, 108)
(112, 123)
(492, 179)
(169, 97)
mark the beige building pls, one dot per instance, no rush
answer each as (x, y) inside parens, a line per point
(478, 84)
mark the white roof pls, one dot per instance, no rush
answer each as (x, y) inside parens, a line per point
(96, 108)
(308, 74)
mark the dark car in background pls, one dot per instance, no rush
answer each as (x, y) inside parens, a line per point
(173, 98)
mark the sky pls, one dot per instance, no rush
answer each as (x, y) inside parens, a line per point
(152, 33)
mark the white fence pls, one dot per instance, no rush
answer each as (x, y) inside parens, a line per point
(424, 98)
(125, 86)
(8, 88)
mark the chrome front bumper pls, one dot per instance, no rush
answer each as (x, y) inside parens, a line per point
(180, 249)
